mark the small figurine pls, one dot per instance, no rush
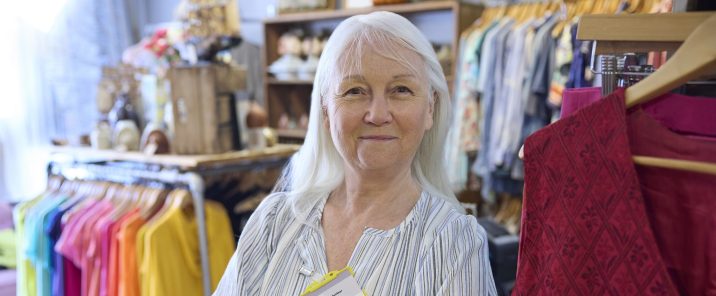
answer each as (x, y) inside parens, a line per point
(126, 136)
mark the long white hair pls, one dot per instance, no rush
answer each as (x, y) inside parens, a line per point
(317, 168)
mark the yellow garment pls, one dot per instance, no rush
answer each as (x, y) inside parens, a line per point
(8, 247)
(26, 276)
(141, 234)
(171, 264)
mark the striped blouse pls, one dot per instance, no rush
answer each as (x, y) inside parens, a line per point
(435, 251)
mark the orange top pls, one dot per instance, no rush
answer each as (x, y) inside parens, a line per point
(128, 269)
(113, 270)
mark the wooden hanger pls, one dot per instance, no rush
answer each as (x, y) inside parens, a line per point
(176, 199)
(54, 183)
(153, 200)
(68, 187)
(615, 4)
(502, 11)
(182, 200)
(100, 190)
(130, 198)
(559, 27)
(695, 57)
(477, 23)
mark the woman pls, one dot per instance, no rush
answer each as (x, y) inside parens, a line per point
(368, 188)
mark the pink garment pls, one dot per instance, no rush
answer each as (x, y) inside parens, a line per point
(106, 241)
(73, 242)
(687, 115)
(66, 243)
(72, 277)
(89, 241)
(98, 248)
(574, 99)
(72, 273)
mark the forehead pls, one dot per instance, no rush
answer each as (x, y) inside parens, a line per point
(386, 57)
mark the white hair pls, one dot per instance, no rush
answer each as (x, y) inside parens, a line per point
(317, 168)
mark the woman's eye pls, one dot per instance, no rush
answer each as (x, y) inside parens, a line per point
(354, 91)
(403, 90)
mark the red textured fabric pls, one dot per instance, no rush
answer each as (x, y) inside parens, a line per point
(593, 224)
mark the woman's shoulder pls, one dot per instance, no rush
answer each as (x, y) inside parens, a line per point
(274, 209)
(444, 221)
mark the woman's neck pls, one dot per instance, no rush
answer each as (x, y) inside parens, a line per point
(370, 193)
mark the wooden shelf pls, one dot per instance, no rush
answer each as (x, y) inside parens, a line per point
(659, 27)
(182, 161)
(275, 81)
(639, 32)
(292, 133)
(343, 13)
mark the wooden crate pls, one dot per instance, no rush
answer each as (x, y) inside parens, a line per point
(204, 109)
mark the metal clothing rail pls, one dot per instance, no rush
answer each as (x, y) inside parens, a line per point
(123, 174)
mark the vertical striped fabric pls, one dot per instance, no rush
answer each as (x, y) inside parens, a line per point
(435, 251)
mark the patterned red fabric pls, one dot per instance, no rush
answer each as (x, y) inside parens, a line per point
(586, 228)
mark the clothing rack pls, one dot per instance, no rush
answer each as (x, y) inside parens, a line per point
(79, 171)
(189, 170)
(618, 34)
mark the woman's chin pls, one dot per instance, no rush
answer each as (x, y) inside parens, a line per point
(378, 162)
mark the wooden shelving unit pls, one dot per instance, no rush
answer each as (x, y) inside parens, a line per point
(344, 13)
(293, 96)
(85, 154)
(274, 81)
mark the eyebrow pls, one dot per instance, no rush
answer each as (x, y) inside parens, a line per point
(360, 77)
(404, 76)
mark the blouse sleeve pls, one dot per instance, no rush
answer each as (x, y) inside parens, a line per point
(244, 273)
(457, 262)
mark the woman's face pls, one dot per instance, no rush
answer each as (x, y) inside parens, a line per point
(377, 118)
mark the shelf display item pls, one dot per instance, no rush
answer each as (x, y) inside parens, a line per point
(126, 136)
(101, 136)
(123, 110)
(155, 140)
(311, 47)
(287, 66)
(291, 6)
(256, 122)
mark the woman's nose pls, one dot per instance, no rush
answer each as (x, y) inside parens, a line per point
(378, 112)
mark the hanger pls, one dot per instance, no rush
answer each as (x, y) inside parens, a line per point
(181, 200)
(696, 56)
(54, 183)
(129, 199)
(152, 201)
(571, 11)
(501, 11)
(615, 4)
(176, 199)
(648, 6)
(68, 187)
(100, 189)
(520, 14)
